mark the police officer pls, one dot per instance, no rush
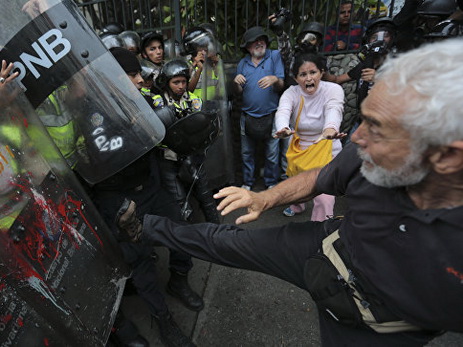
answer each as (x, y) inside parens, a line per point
(131, 41)
(152, 48)
(379, 42)
(173, 82)
(149, 73)
(199, 45)
(416, 19)
(140, 180)
(444, 30)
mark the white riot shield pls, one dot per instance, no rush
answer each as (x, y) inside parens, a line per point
(211, 88)
(61, 274)
(68, 74)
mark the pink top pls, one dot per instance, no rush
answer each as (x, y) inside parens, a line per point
(322, 110)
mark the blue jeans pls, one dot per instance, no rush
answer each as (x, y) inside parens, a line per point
(248, 152)
(284, 144)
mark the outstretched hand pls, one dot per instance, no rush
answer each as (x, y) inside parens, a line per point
(235, 198)
(330, 134)
(283, 133)
(7, 94)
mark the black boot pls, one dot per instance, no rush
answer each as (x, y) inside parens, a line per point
(171, 335)
(178, 287)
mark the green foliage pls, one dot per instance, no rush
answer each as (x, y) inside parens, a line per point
(233, 17)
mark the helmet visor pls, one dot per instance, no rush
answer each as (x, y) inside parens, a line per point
(309, 38)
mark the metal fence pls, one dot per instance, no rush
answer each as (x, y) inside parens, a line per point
(230, 18)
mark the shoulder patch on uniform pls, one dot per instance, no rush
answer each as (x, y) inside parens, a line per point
(196, 103)
(96, 119)
(158, 101)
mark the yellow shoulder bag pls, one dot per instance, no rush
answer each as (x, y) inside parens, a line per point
(316, 155)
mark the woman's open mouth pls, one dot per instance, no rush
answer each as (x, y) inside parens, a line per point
(309, 86)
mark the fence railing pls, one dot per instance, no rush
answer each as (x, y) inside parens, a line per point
(229, 18)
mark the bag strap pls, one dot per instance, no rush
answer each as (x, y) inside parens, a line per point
(301, 105)
(363, 306)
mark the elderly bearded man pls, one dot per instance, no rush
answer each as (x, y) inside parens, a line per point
(398, 250)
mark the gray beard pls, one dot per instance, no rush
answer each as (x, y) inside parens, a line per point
(410, 173)
(259, 55)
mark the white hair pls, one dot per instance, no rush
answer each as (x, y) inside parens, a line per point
(434, 73)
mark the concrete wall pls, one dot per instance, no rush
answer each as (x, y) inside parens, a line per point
(338, 65)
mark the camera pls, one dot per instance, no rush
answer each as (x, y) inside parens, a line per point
(371, 50)
(282, 15)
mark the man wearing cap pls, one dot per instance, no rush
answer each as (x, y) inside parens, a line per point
(259, 77)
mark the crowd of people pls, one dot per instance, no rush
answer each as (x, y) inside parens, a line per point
(310, 109)
(403, 149)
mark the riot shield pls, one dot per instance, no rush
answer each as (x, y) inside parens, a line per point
(61, 274)
(211, 88)
(66, 71)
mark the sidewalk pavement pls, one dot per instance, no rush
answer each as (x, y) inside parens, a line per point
(244, 308)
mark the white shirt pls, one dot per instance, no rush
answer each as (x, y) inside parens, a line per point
(322, 110)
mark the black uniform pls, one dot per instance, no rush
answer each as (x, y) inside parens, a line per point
(411, 258)
(140, 182)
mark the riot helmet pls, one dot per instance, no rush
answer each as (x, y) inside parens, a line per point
(198, 37)
(149, 71)
(445, 29)
(430, 13)
(131, 41)
(251, 35)
(310, 37)
(437, 8)
(151, 36)
(153, 52)
(312, 27)
(111, 40)
(381, 29)
(113, 28)
(210, 28)
(173, 68)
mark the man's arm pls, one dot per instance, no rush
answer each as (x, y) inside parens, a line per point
(295, 189)
(195, 75)
(268, 81)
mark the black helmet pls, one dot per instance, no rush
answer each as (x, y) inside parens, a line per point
(198, 37)
(210, 28)
(149, 70)
(113, 28)
(445, 29)
(111, 40)
(171, 69)
(251, 35)
(151, 36)
(437, 7)
(131, 40)
(312, 27)
(380, 24)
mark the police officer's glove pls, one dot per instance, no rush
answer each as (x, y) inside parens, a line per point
(128, 225)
